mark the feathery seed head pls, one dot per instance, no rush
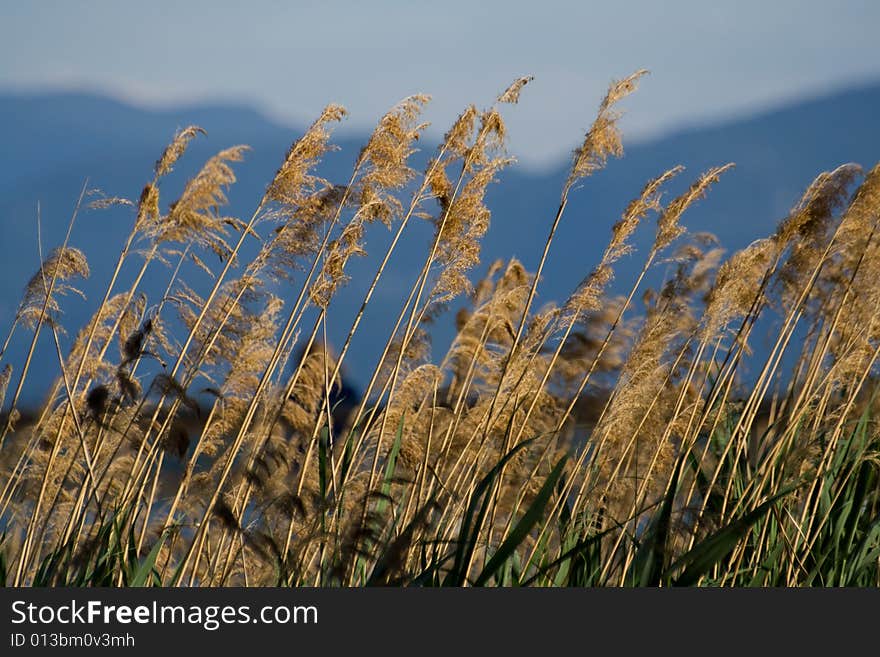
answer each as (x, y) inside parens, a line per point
(293, 181)
(823, 197)
(511, 94)
(109, 202)
(386, 157)
(603, 138)
(194, 216)
(148, 207)
(458, 138)
(176, 149)
(736, 285)
(587, 297)
(62, 264)
(668, 228)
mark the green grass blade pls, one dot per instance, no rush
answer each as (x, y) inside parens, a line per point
(469, 532)
(523, 526)
(710, 551)
(390, 466)
(145, 568)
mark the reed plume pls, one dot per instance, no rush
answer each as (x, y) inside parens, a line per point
(638, 435)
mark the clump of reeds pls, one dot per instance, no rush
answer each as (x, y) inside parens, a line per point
(208, 437)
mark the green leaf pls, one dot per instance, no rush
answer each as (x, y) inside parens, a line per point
(523, 527)
(651, 555)
(470, 530)
(390, 466)
(145, 568)
(584, 545)
(709, 552)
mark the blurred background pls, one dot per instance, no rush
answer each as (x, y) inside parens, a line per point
(90, 93)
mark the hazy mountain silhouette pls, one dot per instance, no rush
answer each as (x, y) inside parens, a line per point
(53, 142)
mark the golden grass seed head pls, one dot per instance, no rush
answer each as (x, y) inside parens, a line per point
(809, 218)
(668, 227)
(148, 213)
(293, 181)
(494, 133)
(253, 350)
(603, 138)
(391, 144)
(176, 149)
(63, 264)
(459, 229)
(647, 201)
(332, 275)
(588, 295)
(459, 135)
(511, 94)
(107, 202)
(860, 217)
(737, 284)
(194, 216)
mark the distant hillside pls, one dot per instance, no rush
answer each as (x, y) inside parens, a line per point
(52, 142)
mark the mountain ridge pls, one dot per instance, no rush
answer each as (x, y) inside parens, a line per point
(54, 140)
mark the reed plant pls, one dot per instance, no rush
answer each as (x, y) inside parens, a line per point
(202, 439)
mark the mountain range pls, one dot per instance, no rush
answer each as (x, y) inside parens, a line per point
(55, 143)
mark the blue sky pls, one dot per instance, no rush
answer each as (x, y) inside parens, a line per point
(709, 60)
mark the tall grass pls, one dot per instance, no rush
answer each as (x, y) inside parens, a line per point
(596, 442)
